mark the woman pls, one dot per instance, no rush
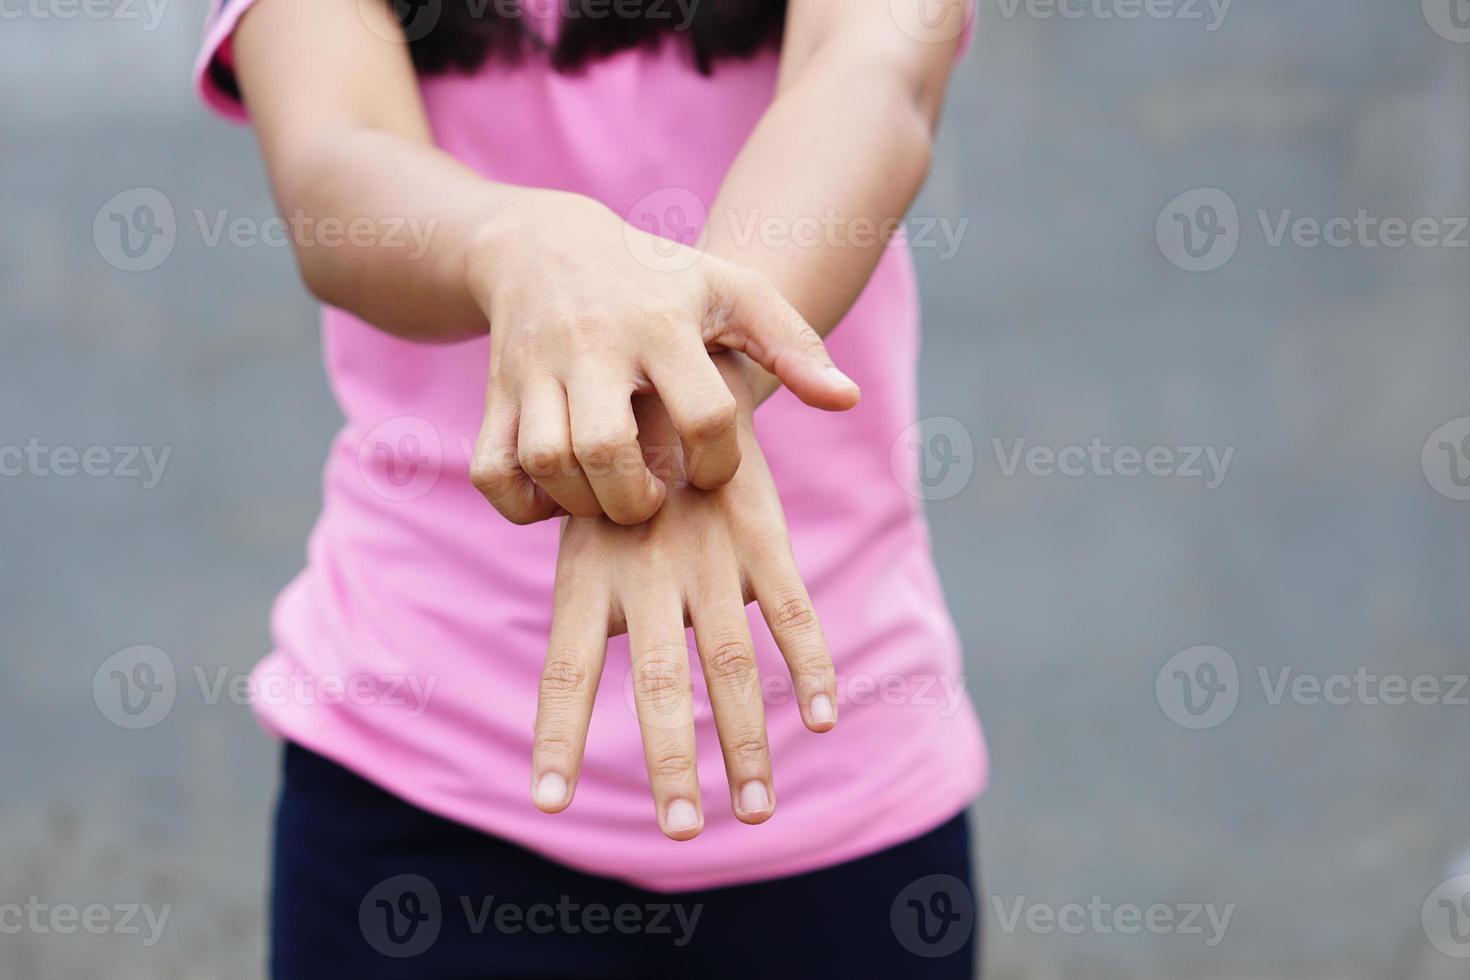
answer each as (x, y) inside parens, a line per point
(634, 219)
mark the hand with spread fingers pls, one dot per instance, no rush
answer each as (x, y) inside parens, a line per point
(697, 561)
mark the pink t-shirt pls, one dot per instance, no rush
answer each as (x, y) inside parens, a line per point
(410, 647)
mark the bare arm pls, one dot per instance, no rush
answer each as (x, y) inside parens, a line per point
(845, 148)
(580, 324)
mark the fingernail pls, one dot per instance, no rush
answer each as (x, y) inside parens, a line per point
(754, 798)
(836, 375)
(822, 709)
(551, 790)
(682, 816)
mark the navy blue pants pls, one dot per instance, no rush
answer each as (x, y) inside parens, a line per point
(367, 886)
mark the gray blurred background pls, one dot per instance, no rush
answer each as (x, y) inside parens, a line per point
(1335, 544)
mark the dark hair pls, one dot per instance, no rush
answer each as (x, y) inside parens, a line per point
(467, 33)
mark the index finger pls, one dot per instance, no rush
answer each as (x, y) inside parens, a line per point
(703, 412)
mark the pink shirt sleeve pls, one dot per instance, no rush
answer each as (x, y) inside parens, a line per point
(967, 37)
(214, 69)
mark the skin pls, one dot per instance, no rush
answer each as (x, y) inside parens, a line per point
(597, 356)
(697, 562)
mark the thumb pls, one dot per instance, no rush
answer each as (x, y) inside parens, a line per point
(761, 324)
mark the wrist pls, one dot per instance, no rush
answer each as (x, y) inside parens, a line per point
(503, 224)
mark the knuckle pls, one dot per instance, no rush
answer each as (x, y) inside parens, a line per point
(489, 477)
(601, 452)
(747, 748)
(563, 676)
(813, 663)
(671, 765)
(554, 745)
(792, 611)
(660, 681)
(731, 657)
(712, 422)
(520, 512)
(663, 320)
(544, 461)
(807, 339)
(634, 512)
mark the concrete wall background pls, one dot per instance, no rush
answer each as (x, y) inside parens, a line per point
(1326, 549)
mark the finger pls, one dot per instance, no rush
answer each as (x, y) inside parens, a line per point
(772, 333)
(727, 657)
(788, 612)
(660, 658)
(703, 412)
(544, 449)
(605, 442)
(574, 659)
(496, 471)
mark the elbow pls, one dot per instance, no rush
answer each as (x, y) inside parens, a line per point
(913, 134)
(316, 274)
(923, 144)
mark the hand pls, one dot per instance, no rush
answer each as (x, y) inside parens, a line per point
(579, 325)
(699, 560)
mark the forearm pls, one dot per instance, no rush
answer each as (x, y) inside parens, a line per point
(829, 172)
(420, 214)
(416, 234)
